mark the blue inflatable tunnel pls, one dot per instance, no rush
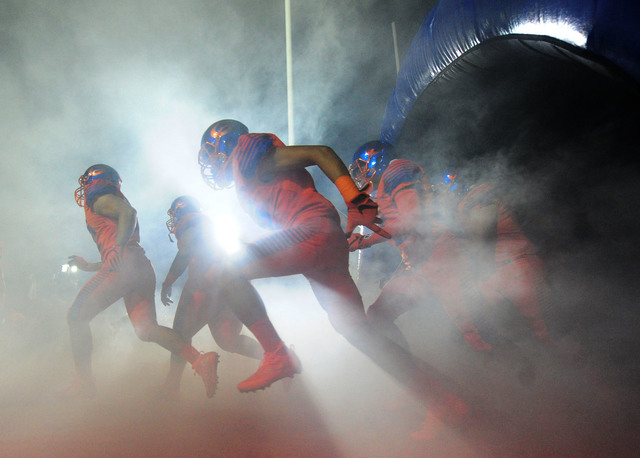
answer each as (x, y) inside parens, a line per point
(543, 95)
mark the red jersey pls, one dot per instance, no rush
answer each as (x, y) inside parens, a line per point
(510, 240)
(411, 234)
(285, 200)
(104, 230)
(207, 251)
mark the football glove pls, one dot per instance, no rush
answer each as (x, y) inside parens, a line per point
(362, 211)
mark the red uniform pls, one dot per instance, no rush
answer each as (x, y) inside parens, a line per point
(136, 280)
(199, 302)
(516, 272)
(307, 237)
(431, 253)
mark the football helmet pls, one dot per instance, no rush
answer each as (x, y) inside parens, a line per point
(452, 183)
(369, 161)
(216, 146)
(96, 172)
(180, 207)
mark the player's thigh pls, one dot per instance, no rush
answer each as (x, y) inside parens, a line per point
(400, 294)
(140, 281)
(225, 325)
(336, 292)
(187, 320)
(99, 292)
(324, 248)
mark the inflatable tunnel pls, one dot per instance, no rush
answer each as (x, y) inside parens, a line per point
(541, 95)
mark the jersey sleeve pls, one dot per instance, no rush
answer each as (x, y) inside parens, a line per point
(400, 174)
(252, 148)
(479, 196)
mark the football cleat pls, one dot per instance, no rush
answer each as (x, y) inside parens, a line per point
(277, 365)
(206, 366)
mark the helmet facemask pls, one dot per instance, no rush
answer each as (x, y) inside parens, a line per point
(213, 166)
(361, 173)
(180, 207)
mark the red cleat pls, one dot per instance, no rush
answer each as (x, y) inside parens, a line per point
(275, 366)
(206, 366)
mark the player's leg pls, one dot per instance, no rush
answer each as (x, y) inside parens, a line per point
(98, 293)
(282, 253)
(140, 304)
(226, 330)
(448, 274)
(397, 297)
(187, 322)
(523, 283)
(278, 361)
(338, 295)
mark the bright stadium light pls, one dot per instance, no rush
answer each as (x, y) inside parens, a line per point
(227, 232)
(66, 268)
(552, 28)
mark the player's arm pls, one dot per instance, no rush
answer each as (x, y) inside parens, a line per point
(285, 158)
(125, 216)
(483, 223)
(409, 212)
(119, 210)
(82, 264)
(361, 209)
(409, 218)
(187, 247)
(482, 226)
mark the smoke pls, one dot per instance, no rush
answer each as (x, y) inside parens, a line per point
(134, 84)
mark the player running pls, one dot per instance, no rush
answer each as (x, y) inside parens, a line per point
(203, 300)
(274, 187)
(124, 272)
(507, 261)
(432, 260)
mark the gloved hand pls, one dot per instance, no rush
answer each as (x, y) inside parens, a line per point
(362, 211)
(360, 242)
(113, 259)
(165, 294)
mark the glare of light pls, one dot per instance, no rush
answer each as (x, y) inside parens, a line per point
(561, 30)
(227, 232)
(68, 268)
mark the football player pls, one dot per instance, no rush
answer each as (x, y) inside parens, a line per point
(202, 301)
(306, 238)
(432, 259)
(124, 272)
(507, 265)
